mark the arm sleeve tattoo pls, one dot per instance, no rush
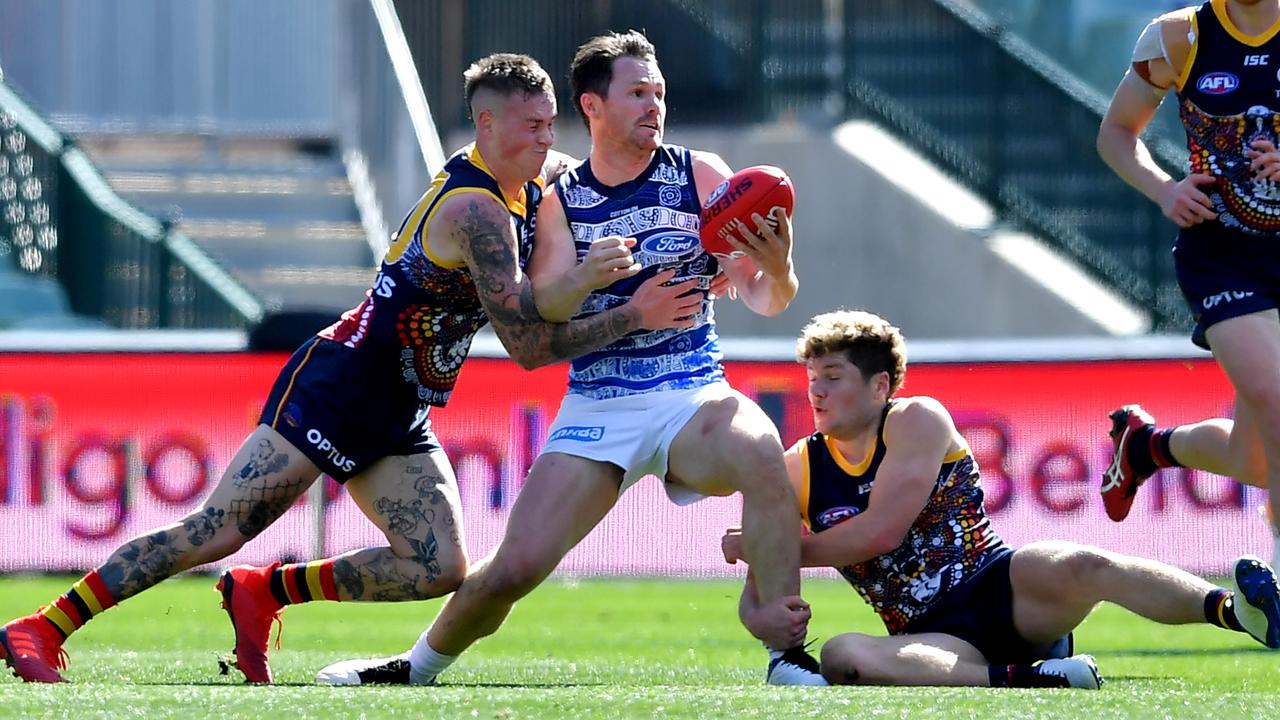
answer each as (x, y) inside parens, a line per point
(507, 295)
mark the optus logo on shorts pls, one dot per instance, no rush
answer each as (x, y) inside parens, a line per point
(578, 432)
(1217, 83)
(1229, 296)
(334, 455)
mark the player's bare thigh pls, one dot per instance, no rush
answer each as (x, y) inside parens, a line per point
(727, 442)
(266, 476)
(414, 500)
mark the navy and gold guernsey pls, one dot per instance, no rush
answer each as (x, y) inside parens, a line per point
(1228, 93)
(949, 542)
(360, 389)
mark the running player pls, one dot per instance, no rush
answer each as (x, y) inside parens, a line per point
(892, 496)
(353, 402)
(1221, 59)
(652, 403)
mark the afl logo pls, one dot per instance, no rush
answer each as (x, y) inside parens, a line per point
(836, 515)
(1217, 83)
(671, 244)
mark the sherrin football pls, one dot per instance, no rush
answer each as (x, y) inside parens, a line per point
(757, 189)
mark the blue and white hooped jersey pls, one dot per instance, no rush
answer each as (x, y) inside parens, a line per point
(660, 209)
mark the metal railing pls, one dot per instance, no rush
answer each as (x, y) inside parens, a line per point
(59, 218)
(389, 141)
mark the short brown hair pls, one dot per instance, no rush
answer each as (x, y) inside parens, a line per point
(867, 340)
(506, 74)
(592, 68)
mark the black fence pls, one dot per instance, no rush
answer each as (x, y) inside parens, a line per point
(981, 103)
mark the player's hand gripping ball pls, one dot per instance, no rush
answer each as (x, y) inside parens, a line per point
(757, 189)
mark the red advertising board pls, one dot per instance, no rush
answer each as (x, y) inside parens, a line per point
(96, 448)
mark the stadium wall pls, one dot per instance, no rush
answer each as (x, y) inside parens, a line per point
(98, 447)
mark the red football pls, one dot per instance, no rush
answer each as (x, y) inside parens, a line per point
(757, 189)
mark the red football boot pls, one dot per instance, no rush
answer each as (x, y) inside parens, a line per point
(1120, 482)
(32, 647)
(247, 598)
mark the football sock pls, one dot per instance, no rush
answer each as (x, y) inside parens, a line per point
(1220, 609)
(303, 582)
(1159, 447)
(79, 605)
(425, 663)
(1138, 451)
(1022, 676)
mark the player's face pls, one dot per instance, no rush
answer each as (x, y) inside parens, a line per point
(844, 403)
(525, 131)
(636, 107)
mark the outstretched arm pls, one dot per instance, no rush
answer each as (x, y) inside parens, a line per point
(482, 230)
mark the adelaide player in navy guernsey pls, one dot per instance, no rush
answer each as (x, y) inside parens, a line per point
(352, 402)
(652, 402)
(1222, 60)
(893, 500)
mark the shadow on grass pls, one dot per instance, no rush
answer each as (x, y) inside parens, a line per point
(1179, 652)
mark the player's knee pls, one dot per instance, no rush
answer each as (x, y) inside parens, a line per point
(451, 569)
(846, 659)
(756, 466)
(509, 579)
(1085, 567)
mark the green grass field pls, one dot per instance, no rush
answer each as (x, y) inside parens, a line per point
(595, 649)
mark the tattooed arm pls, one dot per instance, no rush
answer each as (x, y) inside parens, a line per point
(482, 230)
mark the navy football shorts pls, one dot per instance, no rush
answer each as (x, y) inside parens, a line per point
(342, 414)
(1225, 273)
(980, 612)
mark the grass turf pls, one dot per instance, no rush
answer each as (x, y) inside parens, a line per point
(594, 649)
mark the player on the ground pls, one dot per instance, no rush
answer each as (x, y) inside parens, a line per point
(892, 496)
(1221, 60)
(353, 402)
(652, 403)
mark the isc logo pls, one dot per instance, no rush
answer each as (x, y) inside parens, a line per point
(1218, 83)
(1256, 60)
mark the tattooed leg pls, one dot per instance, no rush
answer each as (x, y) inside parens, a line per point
(265, 478)
(414, 501)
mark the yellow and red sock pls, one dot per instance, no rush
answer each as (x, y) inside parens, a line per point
(304, 582)
(79, 605)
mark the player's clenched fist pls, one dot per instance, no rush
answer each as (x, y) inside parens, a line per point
(1184, 203)
(667, 303)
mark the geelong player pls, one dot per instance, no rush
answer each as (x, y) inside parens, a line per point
(892, 496)
(1221, 59)
(353, 402)
(651, 403)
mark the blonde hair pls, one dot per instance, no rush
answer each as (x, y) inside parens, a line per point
(867, 341)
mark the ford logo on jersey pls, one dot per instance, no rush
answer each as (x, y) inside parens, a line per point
(836, 515)
(670, 244)
(1217, 83)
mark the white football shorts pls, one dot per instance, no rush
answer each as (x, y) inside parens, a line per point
(633, 432)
